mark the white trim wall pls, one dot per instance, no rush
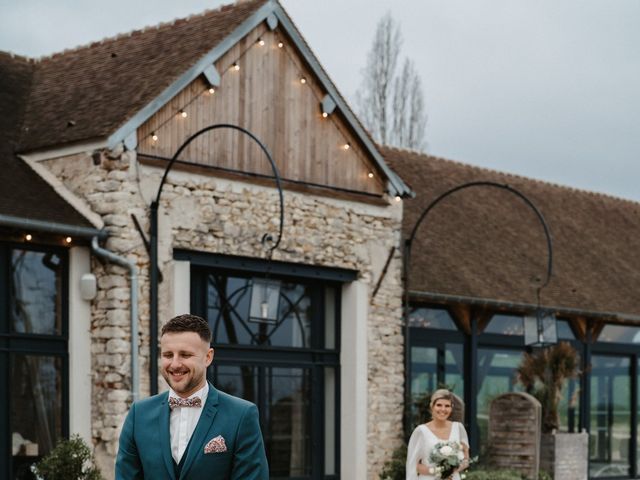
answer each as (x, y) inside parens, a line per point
(79, 346)
(181, 287)
(353, 381)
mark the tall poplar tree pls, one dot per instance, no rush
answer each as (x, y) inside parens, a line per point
(390, 101)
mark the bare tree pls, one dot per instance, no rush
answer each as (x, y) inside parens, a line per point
(390, 103)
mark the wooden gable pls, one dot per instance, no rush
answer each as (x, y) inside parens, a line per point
(265, 87)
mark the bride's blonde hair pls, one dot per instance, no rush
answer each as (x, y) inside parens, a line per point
(440, 394)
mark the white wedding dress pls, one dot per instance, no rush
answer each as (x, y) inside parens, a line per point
(422, 441)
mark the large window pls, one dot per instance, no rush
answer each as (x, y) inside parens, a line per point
(287, 365)
(33, 343)
(439, 353)
(436, 358)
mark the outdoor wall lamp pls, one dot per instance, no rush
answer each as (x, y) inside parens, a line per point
(265, 300)
(540, 328)
(265, 294)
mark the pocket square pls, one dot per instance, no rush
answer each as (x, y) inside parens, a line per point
(216, 445)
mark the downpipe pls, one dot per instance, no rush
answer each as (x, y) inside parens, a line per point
(133, 309)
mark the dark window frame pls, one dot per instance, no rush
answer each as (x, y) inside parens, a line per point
(11, 342)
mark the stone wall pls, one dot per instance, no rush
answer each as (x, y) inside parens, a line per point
(110, 189)
(221, 216)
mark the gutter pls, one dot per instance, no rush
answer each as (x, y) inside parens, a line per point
(133, 309)
(487, 302)
(51, 227)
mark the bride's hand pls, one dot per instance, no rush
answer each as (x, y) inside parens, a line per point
(423, 469)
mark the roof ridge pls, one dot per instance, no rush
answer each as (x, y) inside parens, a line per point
(17, 56)
(517, 176)
(130, 33)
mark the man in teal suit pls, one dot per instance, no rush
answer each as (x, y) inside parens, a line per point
(193, 431)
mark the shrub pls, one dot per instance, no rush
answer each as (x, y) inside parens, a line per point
(69, 460)
(492, 474)
(395, 469)
(487, 473)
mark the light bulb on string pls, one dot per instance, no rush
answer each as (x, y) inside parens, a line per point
(260, 42)
(183, 113)
(154, 137)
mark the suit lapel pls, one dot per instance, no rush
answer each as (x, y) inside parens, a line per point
(202, 428)
(165, 439)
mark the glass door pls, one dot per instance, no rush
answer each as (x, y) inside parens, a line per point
(610, 416)
(433, 368)
(496, 368)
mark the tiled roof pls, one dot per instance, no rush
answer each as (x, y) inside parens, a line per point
(485, 243)
(88, 92)
(23, 193)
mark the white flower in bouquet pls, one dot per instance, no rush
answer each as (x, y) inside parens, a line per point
(446, 450)
(446, 457)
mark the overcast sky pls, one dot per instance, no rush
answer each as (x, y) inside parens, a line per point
(549, 89)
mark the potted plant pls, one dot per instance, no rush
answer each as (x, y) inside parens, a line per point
(69, 460)
(544, 374)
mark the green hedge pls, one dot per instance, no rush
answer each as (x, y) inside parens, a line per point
(486, 473)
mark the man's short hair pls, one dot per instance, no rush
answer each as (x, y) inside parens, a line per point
(188, 323)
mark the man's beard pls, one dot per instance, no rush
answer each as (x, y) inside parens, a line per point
(174, 384)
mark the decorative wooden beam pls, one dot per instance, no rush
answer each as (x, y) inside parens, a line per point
(483, 317)
(462, 315)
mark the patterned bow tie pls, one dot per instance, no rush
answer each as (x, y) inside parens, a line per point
(184, 402)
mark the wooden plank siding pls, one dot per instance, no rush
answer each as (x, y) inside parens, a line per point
(266, 97)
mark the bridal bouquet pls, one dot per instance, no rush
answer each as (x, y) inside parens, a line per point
(446, 457)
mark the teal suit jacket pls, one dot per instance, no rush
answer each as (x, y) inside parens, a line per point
(145, 448)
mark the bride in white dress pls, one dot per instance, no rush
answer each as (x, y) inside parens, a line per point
(427, 435)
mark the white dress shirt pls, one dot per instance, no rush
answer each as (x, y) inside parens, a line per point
(183, 421)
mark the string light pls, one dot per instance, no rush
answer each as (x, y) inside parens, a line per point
(28, 237)
(68, 239)
(398, 198)
(235, 66)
